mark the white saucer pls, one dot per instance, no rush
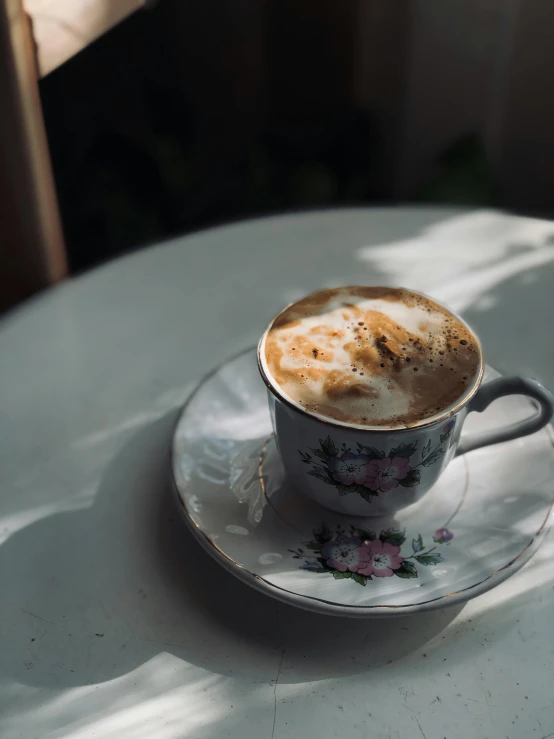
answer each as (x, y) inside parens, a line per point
(481, 522)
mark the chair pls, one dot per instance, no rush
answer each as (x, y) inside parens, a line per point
(36, 37)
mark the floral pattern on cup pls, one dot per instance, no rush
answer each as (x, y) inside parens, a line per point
(361, 555)
(368, 471)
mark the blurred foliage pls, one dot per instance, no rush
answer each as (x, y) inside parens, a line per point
(463, 176)
(143, 150)
(128, 188)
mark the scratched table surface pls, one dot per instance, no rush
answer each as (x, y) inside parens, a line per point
(115, 624)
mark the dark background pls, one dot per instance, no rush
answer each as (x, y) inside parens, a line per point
(191, 114)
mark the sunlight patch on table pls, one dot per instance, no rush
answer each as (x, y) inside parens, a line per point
(460, 258)
(163, 698)
(11, 524)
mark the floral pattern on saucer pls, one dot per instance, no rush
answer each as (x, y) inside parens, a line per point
(232, 493)
(369, 471)
(361, 555)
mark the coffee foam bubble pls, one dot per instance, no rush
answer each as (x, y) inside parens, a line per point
(371, 356)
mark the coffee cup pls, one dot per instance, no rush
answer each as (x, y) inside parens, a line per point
(375, 465)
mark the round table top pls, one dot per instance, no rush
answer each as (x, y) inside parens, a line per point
(114, 623)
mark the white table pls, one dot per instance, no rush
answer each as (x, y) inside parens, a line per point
(115, 625)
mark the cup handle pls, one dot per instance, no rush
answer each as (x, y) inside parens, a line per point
(498, 389)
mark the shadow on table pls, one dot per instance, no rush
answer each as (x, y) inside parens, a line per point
(131, 560)
(135, 584)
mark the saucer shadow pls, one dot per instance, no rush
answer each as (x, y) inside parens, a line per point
(104, 589)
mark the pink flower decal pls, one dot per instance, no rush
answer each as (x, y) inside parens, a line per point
(367, 471)
(363, 555)
(443, 536)
(349, 469)
(345, 554)
(448, 427)
(383, 559)
(385, 474)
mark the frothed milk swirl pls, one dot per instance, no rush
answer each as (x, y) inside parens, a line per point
(371, 356)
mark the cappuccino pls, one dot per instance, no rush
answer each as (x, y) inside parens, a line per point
(370, 356)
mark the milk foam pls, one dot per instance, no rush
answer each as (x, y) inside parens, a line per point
(371, 356)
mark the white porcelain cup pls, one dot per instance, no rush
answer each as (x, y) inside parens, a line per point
(376, 471)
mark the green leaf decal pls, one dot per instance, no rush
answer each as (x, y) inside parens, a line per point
(320, 454)
(406, 570)
(323, 533)
(417, 544)
(328, 447)
(365, 493)
(403, 450)
(393, 536)
(366, 535)
(341, 575)
(359, 579)
(347, 489)
(314, 545)
(370, 452)
(429, 559)
(433, 457)
(444, 437)
(426, 449)
(411, 480)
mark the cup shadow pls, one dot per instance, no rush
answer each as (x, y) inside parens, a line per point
(133, 582)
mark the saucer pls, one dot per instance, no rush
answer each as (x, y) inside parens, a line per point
(480, 523)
